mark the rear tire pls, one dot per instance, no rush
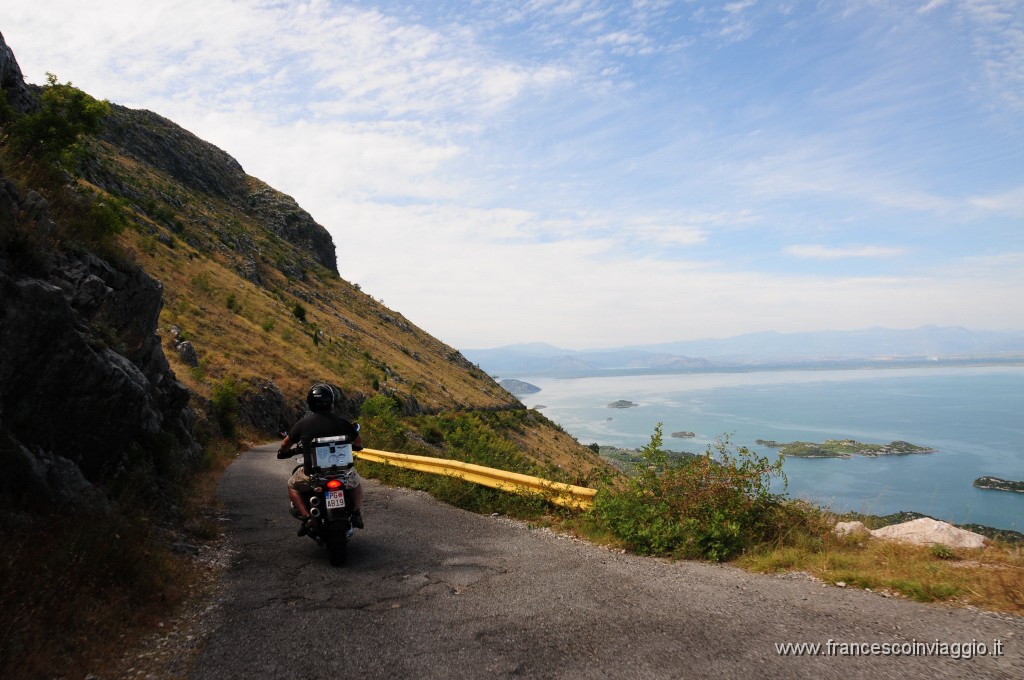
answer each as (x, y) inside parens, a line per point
(337, 542)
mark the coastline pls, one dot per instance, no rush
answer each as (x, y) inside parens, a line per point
(967, 414)
(627, 459)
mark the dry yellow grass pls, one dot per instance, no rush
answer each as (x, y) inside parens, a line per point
(347, 337)
(991, 578)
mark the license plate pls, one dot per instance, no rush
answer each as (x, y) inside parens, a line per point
(335, 499)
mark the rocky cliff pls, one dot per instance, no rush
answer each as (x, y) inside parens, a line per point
(85, 388)
(83, 376)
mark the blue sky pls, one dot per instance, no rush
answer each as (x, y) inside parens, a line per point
(591, 173)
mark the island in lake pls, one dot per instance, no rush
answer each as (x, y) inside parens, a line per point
(518, 387)
(622, 403)
(631, 460)
(988, 482)
(686, 434)
(843, 448)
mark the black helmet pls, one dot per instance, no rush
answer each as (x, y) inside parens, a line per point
(320, 398)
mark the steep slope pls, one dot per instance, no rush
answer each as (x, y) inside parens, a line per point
(251, 279)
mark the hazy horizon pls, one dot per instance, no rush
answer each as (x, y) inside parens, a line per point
(598, 348)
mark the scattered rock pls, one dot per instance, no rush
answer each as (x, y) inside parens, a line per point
(187, 352)
(850, 528)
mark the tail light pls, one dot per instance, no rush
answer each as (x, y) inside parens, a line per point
(333, 484)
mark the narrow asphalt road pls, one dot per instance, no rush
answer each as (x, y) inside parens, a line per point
(430, 591)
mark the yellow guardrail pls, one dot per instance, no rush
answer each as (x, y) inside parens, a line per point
(567, 495)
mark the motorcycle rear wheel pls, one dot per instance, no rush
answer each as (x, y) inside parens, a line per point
(337, 543)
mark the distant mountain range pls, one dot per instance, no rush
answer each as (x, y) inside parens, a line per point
(820, 349)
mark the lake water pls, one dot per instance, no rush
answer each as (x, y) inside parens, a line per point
(973, 417)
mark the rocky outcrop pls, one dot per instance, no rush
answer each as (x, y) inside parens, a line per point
(262, 405)
(12, 82)
(85, 388)
(152, 140)
(283, 216)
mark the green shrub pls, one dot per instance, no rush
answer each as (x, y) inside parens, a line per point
(299, 312)
(106, 219)
(7, 112)
(710, 506)
(481, 438)
(433, 434)
(225, 405)
(381, 420)
(65, 114)
(201, 282)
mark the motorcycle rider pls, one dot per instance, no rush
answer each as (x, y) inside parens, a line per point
(319, 422)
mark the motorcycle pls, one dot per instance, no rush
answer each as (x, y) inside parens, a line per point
(328, 462)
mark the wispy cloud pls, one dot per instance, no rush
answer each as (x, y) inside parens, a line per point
(931, 5)
(344, 59)
(595, 172)
(1008, 268)
(998, 40)
(1010, 202)
(822, 252)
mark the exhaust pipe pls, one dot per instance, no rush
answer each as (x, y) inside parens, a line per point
(315, 512)
(314, 501)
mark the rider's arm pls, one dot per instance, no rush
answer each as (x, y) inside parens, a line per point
(286, 445)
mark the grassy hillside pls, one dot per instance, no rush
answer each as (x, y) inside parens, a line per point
(297, 322)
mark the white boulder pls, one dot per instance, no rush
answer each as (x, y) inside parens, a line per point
(928, 531)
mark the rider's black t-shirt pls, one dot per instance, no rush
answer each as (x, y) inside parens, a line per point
(314, 425)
